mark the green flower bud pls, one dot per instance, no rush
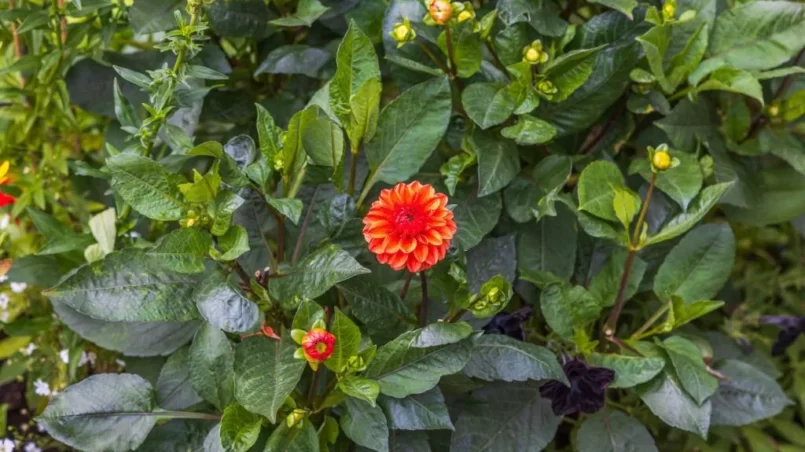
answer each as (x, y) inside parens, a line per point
(534, 54)
(547, 88)
(403, 33)
(296, 418)
(356, 363)
(669, 10)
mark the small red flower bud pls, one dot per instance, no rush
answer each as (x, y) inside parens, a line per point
(318, 345)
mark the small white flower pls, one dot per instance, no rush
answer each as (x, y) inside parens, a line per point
(29, 349)
(120, 362)
(3, 278)
(135, 235)
(4, 319)
(18, 287)
(41, 388)
(6, 445)
(87, 358)
(65, 356)
(32, 447)
(3, 301)
(4, 221)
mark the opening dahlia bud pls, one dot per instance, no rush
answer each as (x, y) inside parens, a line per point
(534, 54)
(440, 11)
(296, 418)
(465, 11)
(403, 33)
(409, 226)
(317, 345)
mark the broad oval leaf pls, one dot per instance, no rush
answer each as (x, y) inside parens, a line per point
(613, 431)
(498, 357)
(148, 187)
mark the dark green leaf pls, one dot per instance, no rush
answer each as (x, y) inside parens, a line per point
(266, 372)
(183, 250)
(366, 425)
(239, 429)
(746, 396)
(498, 357)
(103, 412)
(174, 390)
(381, 311)
(426, 411)
(145, 185)
(606, 283)
(475, 217)
(698, 209)
(529, 131)
(360, 388)
(348, 341)
(498, 162)
(688, 363)
(629, 370)
(567, 308)
(613, 431)
(210, 365)
(597, 187)
(488, 104)
(666, 399)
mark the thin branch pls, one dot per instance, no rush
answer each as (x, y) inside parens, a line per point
(639, 226)
(438, 62)
(610, 121)
(406, 285)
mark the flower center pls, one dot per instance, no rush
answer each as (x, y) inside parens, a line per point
(409, 221)
(321, 347)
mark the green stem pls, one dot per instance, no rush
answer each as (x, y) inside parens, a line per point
(423, 307)
(653, 319)
(433, 58)
(353, 171)
(184, 415)
(181, 55)
(297, 183)
(366, 187)
(311, 394)
(639, 226)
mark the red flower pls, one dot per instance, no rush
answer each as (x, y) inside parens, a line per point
(5, 199)
(318, 345)
(409, 226)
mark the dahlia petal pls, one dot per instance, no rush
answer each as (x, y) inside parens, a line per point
(407, 244)
(421, 253)
(432, 237)
(376, 246)
(413, 265)
(392, 244)
(398, 261)
(383, 258)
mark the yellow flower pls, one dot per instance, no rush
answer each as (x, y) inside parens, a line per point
(4, 172)
(661, 160)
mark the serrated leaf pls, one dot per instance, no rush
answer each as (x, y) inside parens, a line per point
(266, 372)
(145, 185)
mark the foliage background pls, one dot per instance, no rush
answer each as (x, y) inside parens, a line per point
(531, 179)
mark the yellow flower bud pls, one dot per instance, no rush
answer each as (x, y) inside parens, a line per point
(403, 33)
(669, 10)
(661, 160)
(534, 54)
(295, 418)
(773, 110)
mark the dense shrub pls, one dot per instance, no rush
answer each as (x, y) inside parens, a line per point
(412, 225)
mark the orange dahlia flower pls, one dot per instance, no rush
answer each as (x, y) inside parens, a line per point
(409, 226)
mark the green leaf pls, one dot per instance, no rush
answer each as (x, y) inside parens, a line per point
(498, 357)
(103, 412)
(269, 135)
(682, 182)
(530, 131)
(308, 313)
(604, 285)
(60, 238)
(233, 243)
(266, 372)
(239, 429)
(570, 71)
(356, 64)
(466, 51)
(33, 21)
(624, 6)
(402, 369)
(307, 11)
(145, 185)
(126, 286)
(314, 275)
(183, 250)
(658, 44)
(547, 248)
(151, 16)
(224, 306)
(124, 111)
(289, 208)
(780, 198)
(174, 390)
(130, 338)
(488, 104)
(210, 365)
(292, 439)
(629, 370)
(698, 209)
(734, 81)
(409, 129)
(295, 59)
(567, 308)
(598, 184)
(667, 400)
(348, 340)
(688, 363)
(688, 123)
(426, 411)
(366, 425)
(498, 162)
(381, 311)
(613, 431)
(221, 211)
(758, 35)
(360, 388)
(685, 312)
(625, 204)
(542, 15)
(475, 217)
(506, 416)
(746, 396)
(699, 265)
(441, 333)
